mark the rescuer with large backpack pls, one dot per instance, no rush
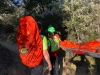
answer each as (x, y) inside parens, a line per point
(54, 49)
(30, 44)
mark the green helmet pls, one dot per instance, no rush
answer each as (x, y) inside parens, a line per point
(51, 29)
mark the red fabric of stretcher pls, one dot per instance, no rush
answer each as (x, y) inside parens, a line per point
(91, 46)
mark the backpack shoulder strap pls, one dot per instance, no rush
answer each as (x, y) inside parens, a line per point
(49, 49)
(42, 36)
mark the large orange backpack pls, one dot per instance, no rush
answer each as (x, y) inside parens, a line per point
(29, 42)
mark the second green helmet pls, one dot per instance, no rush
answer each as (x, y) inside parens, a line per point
(51, 29)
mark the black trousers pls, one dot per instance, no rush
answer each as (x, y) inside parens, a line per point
(55, 67)
(37, 70)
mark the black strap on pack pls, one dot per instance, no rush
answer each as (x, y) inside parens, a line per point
(49, 50)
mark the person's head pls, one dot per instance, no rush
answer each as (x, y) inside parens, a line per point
(51, 30)
(39, 26)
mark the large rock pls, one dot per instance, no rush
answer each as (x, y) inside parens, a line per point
(10, 63)
(11, 46)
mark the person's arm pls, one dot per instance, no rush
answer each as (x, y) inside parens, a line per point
(47, 58)
(46, 54)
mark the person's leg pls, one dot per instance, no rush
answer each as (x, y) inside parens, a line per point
(53, 63)
(37, 70)
(82, 58)
(56, 66)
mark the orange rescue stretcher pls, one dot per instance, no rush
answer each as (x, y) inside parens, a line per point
(91, 48)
